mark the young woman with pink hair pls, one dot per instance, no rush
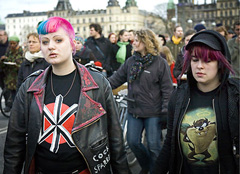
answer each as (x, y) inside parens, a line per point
(64, 119)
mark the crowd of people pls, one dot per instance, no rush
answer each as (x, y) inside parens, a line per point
(64, 118)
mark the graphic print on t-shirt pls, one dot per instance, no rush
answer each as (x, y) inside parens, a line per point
(58, 119)
(199, 137)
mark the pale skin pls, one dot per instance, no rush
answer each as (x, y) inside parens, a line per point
(124, 37)
(139, 46)
(57, 50)
(33, 44)
(94, 33)
(205, 73)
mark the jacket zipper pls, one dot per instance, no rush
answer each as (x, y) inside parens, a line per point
(216, 131)
(77, 146)
(179, 127)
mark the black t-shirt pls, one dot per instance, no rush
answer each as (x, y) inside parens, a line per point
(198, 135)
(56, 151)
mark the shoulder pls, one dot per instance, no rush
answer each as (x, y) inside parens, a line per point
(234, 83)
(35, 74)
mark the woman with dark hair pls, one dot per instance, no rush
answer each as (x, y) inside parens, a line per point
(150, 86)
(203, 114)
(121, 51)
(162, 40)
(64, 120)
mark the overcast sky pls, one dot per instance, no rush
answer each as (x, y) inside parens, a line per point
(17, 6)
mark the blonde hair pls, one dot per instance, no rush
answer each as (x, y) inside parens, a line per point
(149, 39)
(169, 57)
(222, 28)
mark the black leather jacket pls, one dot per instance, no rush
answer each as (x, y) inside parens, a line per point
(96, 131)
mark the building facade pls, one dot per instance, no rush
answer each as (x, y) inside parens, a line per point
(224, 12)
(112, 19)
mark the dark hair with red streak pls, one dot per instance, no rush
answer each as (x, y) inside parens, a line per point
(205, 53)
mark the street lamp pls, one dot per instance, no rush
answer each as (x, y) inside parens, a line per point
(189, 21)
(203, 22)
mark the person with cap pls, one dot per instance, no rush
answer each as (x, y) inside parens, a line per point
(10, 64)
(234, 48)
(199, 27)
(203, 114)
(83, 54)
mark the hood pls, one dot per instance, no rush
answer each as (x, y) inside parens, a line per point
(215, 41)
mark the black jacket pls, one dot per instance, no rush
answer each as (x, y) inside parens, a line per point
(113, 60)
(28, 68)
(170, 159)
(151, 91)
(96, 128)
(84, 56)
(226, 106)
(104, 55)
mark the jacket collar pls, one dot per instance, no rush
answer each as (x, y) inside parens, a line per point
(87, 81)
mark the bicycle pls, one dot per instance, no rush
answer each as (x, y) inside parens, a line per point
(5, 94)
(121, 101)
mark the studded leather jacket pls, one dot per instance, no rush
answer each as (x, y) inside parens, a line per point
(96, 132)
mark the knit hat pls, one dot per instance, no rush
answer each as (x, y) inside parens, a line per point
(80, 39)
(199, 27)
(13, 38)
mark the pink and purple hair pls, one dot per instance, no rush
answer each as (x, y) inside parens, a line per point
(53, 24)
(205, 53)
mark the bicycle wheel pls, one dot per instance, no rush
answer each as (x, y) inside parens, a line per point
(2, 105)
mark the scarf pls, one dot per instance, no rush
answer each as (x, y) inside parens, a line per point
(122, 51)
(175, 40)
(140, 64)
(32, 57)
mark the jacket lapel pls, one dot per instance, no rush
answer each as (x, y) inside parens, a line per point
(88, 109)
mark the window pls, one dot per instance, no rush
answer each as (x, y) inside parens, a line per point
(96, 20)
(78, 28)
(110, 19)
(77, 21)
(83, 20)
(90, 20)
(102, 19)
(84, 28)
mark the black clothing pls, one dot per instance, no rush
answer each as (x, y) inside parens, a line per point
(226, 106)
(65, 153)
(96, 128)
(3, 49)
(84, 56)
(28, 68)
(151, 90)
(113, 60)
(177, 70)
(105, 46)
